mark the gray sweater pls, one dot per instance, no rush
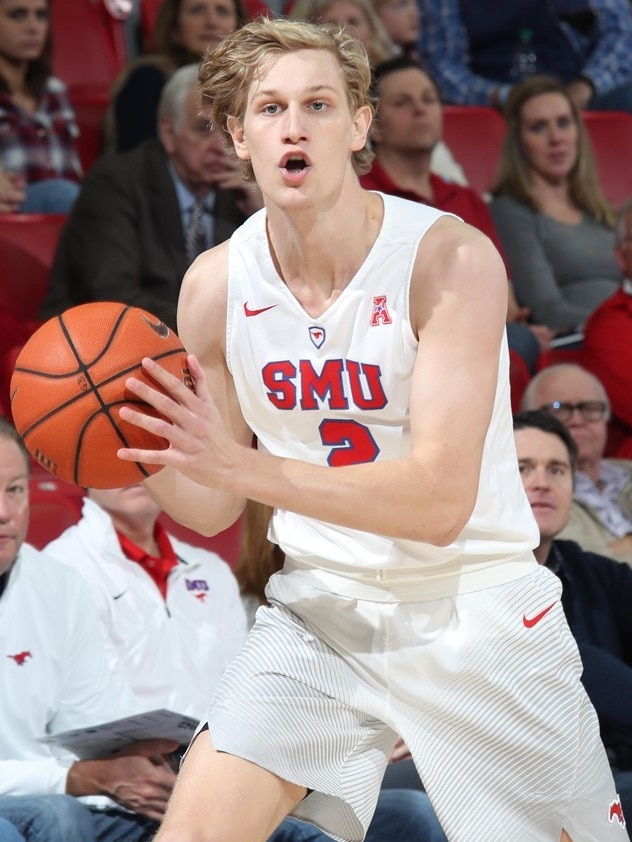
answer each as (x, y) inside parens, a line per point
(561, 272)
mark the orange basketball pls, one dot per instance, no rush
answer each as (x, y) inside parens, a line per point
(69, 383)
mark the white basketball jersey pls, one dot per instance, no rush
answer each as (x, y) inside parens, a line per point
(335, 391)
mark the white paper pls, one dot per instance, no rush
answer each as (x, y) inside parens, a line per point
(102, 740)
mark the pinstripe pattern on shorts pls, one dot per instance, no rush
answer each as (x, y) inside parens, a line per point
(502, 732)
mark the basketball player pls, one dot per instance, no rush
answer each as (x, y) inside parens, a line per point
(361, 338)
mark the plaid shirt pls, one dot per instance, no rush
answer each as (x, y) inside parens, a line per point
(604, 500)
(445, 46)
(40, 145)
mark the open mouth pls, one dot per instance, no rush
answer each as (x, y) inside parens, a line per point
(295, 163)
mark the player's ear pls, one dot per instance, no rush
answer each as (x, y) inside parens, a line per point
(361, 126)
(236, 129)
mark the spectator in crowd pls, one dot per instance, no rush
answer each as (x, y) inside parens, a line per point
(142, 216)
(259, 558)
(54, 677)
(607, 345)
(601, 516)
(479, 51)
(556, 228)
(39, 164)
(183, 31)
(401, 20)
(596, 594)
(359, 16)
(407, 128)
(171, 613)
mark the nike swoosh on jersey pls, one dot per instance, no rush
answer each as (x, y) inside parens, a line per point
(530, 622)
(119, 595)
(250, 312)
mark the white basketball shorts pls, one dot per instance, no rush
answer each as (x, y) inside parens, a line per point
(484, 688)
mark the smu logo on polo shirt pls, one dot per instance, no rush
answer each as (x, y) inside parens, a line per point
(20, 658)
(199, 588)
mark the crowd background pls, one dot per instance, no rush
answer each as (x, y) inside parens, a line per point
(518, 121)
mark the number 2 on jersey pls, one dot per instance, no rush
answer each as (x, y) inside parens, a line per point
(351, 443)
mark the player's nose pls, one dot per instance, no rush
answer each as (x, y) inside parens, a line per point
(294, 128)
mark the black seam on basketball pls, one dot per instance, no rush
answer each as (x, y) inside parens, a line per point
(83, 367)
(94, 387)
(163, 356)
(113, 332)
(105, 410)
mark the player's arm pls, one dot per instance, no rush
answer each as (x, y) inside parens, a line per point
(202, 329)
(458, 306)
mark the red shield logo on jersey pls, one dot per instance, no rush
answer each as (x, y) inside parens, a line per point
(317, 335)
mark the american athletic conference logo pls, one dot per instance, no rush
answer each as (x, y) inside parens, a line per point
(380, 314)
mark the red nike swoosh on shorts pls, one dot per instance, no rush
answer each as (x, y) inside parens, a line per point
(530, 622)
(250, 312)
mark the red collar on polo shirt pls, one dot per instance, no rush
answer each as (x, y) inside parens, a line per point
(158, 567)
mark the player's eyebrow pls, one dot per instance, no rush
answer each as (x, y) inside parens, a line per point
(271, 93)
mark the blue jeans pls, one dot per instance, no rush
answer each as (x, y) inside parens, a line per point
(402, 815)
(523, 342)
(52, 195)
(63, 818)
(8, 833)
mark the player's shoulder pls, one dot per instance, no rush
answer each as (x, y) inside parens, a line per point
(205, 280)
(455, 254)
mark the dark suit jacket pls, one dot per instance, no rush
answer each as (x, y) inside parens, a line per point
(124, 240)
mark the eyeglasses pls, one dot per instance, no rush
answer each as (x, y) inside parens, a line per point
(589, 410)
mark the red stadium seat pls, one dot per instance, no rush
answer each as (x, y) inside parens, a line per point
(474, 134)
(88, 43)
(148, 14)
(90, 105)
(27, 247)
(610, 133)
(54, 505)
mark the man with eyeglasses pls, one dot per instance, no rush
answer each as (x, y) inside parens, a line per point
(601, 516)
(596, 594)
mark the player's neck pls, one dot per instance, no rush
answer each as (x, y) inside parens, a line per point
(318, 260)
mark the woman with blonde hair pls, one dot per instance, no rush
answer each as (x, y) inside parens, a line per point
(556, 228)
(357, 15)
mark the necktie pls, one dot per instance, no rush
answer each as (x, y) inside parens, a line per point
(196, 234)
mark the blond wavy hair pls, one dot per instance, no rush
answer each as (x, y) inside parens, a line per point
(514, 174)
(228, 70)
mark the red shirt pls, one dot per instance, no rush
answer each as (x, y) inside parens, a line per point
(158, 567)
(448, 197)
